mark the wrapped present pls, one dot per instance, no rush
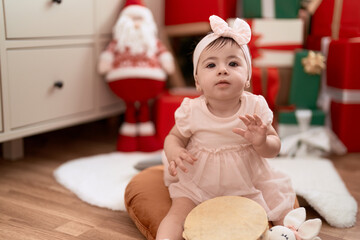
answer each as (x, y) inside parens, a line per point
(187, 11)
(343, 87)
(304, 89)
(266, 82)
(166, 105)
(273, 41)
(343, 64)
(345, 123)
(268, 8)
(335, 18)
(305, 84)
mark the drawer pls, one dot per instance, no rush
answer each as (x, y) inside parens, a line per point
(46, 18)
(32, 78)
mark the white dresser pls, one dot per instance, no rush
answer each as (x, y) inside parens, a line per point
(48, 56)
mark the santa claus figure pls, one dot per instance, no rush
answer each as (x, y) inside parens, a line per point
(136, 65)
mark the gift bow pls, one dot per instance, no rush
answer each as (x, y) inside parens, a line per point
(240, 31)
(313, 63)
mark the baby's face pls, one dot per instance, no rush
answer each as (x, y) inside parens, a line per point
(222, 72)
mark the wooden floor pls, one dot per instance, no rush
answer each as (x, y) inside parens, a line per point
(34, 206)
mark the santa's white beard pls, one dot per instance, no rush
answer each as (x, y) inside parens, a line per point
(138, 40)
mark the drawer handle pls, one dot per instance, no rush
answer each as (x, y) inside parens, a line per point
(58, 84)
(57, 1)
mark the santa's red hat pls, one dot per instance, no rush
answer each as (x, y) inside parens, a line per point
(137, 8)
(133, 2)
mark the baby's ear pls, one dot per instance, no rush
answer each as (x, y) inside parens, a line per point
(295, 217)
(198, 88)
(196, 78)
(310, 229)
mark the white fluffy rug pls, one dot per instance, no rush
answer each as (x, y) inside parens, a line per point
(317, 181)
(101, 181)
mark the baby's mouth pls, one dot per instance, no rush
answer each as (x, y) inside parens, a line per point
(223, 83)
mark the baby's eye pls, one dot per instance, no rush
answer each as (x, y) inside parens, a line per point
(210, 65)
(233, 64)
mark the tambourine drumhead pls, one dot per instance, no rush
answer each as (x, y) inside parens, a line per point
(228, 217)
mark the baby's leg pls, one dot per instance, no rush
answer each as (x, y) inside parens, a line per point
(172, 226)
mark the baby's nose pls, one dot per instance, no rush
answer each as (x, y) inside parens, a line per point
(222, 70)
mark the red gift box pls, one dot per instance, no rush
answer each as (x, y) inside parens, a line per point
(188, 11)
(343, 86)
(342, 68)
(322, 20)
(166, 106)
(335, 18)
(345, 123)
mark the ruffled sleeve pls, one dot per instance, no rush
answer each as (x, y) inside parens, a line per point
(263, 111)
(183, 118)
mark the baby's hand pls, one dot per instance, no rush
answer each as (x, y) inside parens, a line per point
(178, 159)
(255, 132)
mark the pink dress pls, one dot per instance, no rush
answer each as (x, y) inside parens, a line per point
(227, 164)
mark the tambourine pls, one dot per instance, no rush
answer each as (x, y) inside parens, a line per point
(227, 217)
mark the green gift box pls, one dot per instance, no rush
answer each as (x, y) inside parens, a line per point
(317, 118)
(304, 92)
(269, 8)
(305, 87)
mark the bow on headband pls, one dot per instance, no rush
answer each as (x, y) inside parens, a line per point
(240, 31)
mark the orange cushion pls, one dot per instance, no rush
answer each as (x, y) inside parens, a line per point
(147, 200)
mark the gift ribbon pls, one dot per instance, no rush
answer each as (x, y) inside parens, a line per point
(256, 82)
(268, 8)
(273, 85)
(335, 25)
(313, 5)
(254, 46)
(313, 63)
(348, 96)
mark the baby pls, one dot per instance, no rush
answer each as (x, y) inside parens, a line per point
(220, 140)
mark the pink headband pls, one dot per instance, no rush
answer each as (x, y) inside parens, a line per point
(240, 32)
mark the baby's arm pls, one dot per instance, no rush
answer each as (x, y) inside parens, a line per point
(263, 137)
(175, 151)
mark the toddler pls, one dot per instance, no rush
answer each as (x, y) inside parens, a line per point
(220, 139)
